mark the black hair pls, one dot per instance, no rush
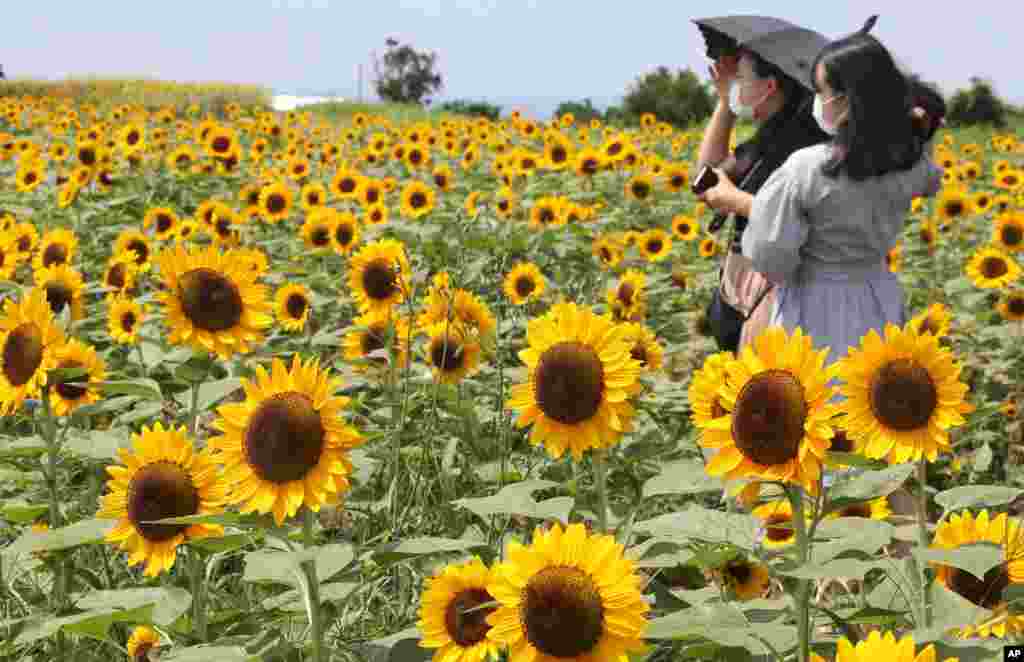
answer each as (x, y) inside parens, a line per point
(878, 135)
(929, 99)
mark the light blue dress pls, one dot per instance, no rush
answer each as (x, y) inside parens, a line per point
(824, 243)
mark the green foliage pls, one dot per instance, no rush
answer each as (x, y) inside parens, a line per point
(405, 75)
(977, 105)
(471, 108)
(677, 98)
(583, 111)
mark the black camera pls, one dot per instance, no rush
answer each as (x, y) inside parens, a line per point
(705, 179)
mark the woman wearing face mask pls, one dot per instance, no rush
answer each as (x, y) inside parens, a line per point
(752, 88)
(822, 224)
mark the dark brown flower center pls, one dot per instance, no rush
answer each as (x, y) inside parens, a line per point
(641, 189)
(654, 246)
(285, 438)
(418, 200)
(987, 592)
(55, 254)
(67, 390)
(210, 300)
(1015, 305)
(525, 285)
(116, 276)
(347, 185)
(320, 237)
(164, 223)
(841, 442)
(569, 380)
(562, 612)
(862, 509)
(141, 250)
(467, 625)
(768, 420)
(379, 280)
(295, 305)
(1011, 235)
(157, 491)
(58, 295)
(128, 321)
(446, 353)
(739, 572)
(221, 144)
(903, 395)
(371, 194)
(929, 325)
(639, 352)
(558, 154)
(275, 203)
(23, 352)
(626, 292)
(778, 527)
(954, 208)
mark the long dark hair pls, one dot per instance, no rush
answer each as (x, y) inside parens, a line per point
(878, 135)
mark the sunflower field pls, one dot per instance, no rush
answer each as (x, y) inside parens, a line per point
(294, 387)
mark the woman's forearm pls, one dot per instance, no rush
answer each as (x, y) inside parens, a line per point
(741, 203)
(715, 145)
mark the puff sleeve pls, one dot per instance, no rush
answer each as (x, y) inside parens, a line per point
(778, 223)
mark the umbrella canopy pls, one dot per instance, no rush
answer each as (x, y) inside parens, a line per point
(789, 47)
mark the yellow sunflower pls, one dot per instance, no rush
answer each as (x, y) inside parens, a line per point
(953, 205)
(708, 247)
(124, 318)
(877, 647)
(608, 252)
(934, 320)
(372, 332)
(212, 302)
(448, 614)
(121, 272)
(903, 394)
(63, 287)
(26, 237)
(163, 476)
(746, 579)
(640, 188)
(163, 220)
(777, 523)
(133, 240)
(56, 247)
(655, 245)
(559, 604)
(142, 640)
(376, 214)
(317, 229)
(644, 347)
(966, 529)
(629, 293)
(276, 202)
(286, 445)
(1008, 232)
(524, 283)
(991, 268)
(10, 256)
(378, 275)
(704, 396)
(581, 379)
(1011, 306)
(451, 352)
(28, 340)
(418, 200)
(293, 304)
(68, 396)
(684, 227)
(778, 428)
(345, 234)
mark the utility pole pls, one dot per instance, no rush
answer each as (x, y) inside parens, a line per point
(360, 82)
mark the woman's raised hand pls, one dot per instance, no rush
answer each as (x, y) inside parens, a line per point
(723, 71)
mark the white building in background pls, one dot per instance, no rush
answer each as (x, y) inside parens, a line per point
(285, 102)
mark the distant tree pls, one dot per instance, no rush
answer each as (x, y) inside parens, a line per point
(977, 105)
(677, 98)
(472, 108)
(405, 75)
(582, 111)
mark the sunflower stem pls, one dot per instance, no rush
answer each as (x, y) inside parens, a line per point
(49, 434)
(198, 577)
(601, 481)
(193, 416)
(316, 630)
(921, 503)
(803, 600)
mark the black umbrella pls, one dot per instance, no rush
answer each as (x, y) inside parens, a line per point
(787, 46)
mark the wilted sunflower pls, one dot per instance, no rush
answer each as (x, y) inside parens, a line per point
(746, 579)
(451, 353)
(276, 202)
(902, 394)
(286, 445)
(163, 220)
(644, 347)
(1011, 306)
(163, 476)
(124, 318)
(581, 379)
(991, 268)
(877, 647)
(293, 304)
(63, 288)
(559, 604)
(212, 302)
(317, 229)
(68, 396)
(1008, 232)
(133, 240)
(629, 292)
(684, 227)
(142, 640)
(372, 332)
(28, 343)
(57, 247)
(524, 283)
(378, 275)
(965, 529)
(655, 245)
(777, 522)
(778, 428)
(934, 320)
(448, 614)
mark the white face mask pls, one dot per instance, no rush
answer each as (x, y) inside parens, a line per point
(819, 114)
(738, 108)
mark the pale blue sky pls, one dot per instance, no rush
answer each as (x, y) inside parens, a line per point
(497, 49)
